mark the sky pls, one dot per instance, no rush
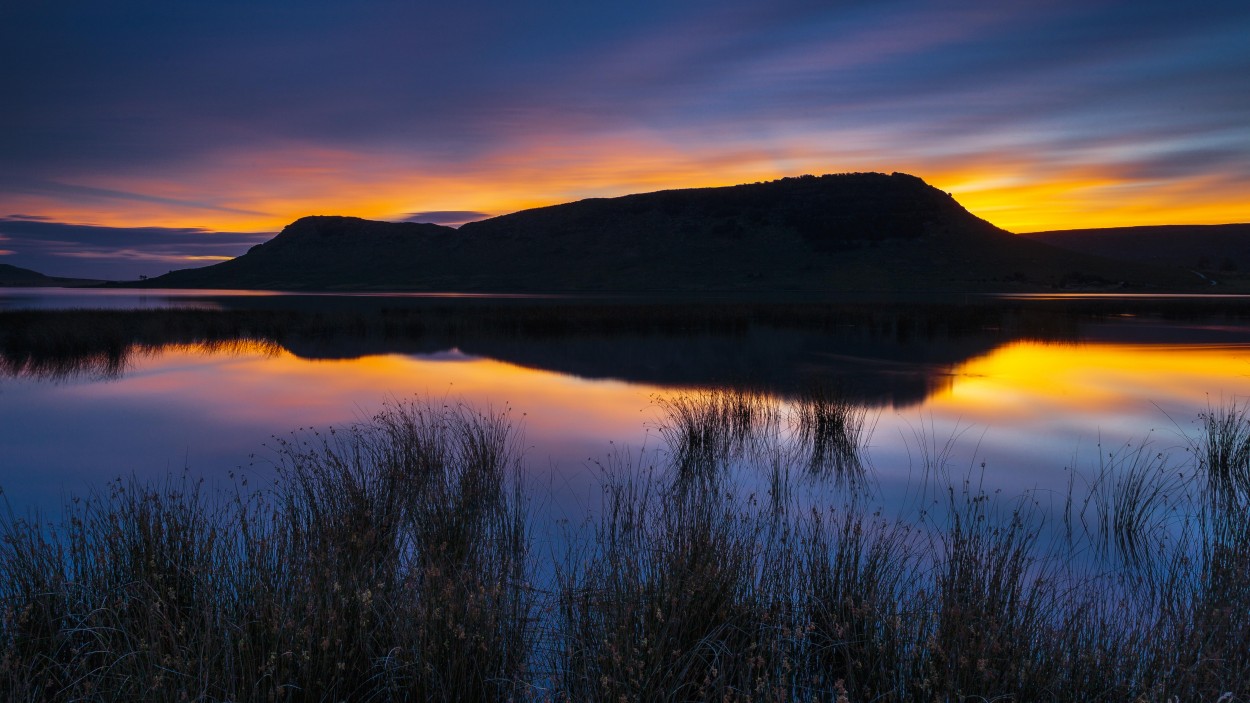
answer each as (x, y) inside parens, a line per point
(138, 137)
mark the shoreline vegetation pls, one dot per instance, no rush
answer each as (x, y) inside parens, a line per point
(397, 559)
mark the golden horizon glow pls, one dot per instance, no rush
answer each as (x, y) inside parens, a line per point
(1014, 194)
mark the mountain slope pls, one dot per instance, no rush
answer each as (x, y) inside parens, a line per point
(20, 277)
(840, 232)
(1223, 248)
(316, 253)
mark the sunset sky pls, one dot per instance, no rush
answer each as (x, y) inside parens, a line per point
(139, 137)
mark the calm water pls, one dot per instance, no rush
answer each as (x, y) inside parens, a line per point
(1028, 389)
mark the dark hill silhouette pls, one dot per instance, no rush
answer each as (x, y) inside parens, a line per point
(1218, 251)
(25, 278)
(865, 231)
(329, 253)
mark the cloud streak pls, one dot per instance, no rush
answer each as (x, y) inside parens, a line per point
(114, 253)
(446, 217)
(80, 192)
(244, 116)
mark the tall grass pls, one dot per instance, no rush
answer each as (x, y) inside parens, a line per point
(1130, 503)
(679, 598)
(389, 563)
(705, 430)
(835, 429)
(859, 604)
(392, 561)
(1224, 451)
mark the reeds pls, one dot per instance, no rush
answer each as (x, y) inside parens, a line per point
(392, 562)
(1130, 503)
(1224, 450)
(835, 430)
(859, 604)
(678, 599)
(389, 563)
(705, 430)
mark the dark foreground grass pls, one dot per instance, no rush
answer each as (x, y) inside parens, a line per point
(392, 561)
(388, 564)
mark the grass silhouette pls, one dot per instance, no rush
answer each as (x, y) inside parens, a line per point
(394, 560)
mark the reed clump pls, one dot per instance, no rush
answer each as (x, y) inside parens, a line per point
(834, 429)
(1224, 450)
(388, 563)
(678, 599)
(859, 604)
(705, 430)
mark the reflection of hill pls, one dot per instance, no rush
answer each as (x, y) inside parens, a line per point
(884, 354)
(785, 361)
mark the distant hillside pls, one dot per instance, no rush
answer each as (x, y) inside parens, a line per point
(841, 232)
(1216, 250)
(12, 276)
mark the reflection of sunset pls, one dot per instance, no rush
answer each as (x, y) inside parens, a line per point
(254, 383)
(1026, 408)
(1016, 384)
(1031, 379)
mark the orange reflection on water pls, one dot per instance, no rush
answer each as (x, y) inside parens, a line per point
(1024, 380)
(259, 384)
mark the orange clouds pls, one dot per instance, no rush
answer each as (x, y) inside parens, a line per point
(1086, 198)
(264, 191)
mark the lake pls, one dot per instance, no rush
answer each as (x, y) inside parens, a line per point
(861, 498)
(1023, 389)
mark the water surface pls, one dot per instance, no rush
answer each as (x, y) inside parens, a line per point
(1023, 391)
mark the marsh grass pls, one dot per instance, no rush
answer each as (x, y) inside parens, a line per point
(858, 603)
(1131, 503)
(680, 597)
(704, 431)
(391, 560)
(1224, 451)
(388, 563)
(835, 429)
(990, 603)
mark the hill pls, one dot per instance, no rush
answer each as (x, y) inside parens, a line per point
(1217, 251)
(12, 276)
(865, 231)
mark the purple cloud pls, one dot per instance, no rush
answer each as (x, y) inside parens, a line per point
(453, 218)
